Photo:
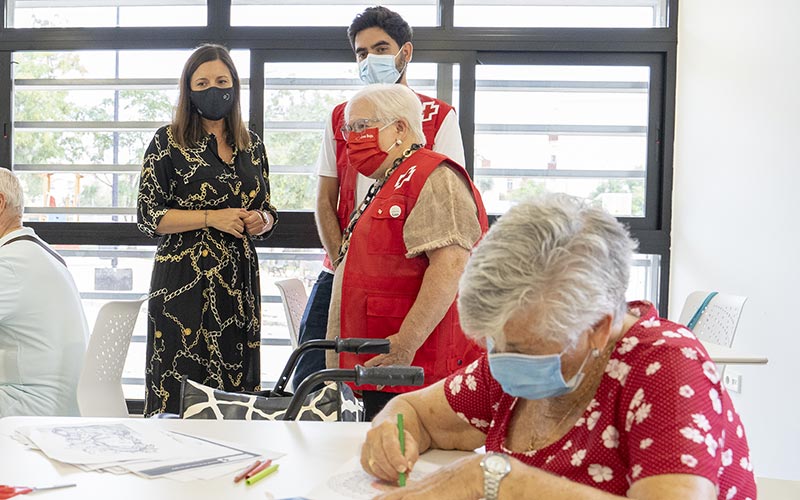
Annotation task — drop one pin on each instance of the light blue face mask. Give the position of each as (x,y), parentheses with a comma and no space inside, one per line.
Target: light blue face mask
(530,376)
(378,69)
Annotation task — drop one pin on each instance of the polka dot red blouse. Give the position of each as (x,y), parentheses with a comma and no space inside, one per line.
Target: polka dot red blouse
(660,409)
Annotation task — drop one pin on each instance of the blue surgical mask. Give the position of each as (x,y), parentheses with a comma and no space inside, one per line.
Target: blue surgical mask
(378,69)
(530,376)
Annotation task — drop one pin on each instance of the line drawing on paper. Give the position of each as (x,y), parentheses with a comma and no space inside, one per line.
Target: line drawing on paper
(357,485)
(103,439)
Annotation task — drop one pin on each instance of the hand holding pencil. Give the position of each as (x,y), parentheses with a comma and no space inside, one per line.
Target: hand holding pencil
(384,456)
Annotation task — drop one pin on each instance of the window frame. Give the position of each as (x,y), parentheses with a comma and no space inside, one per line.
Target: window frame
(443,43)
(650,221)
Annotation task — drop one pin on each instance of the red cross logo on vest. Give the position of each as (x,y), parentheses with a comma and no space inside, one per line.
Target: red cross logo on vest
(405,177)
(429,110)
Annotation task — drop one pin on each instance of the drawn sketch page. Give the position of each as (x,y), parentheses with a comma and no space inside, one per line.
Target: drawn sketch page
(350,482)
(201,454)
(103,443)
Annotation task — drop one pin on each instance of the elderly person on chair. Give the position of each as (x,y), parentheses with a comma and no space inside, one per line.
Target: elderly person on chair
(43,331)
(581,395)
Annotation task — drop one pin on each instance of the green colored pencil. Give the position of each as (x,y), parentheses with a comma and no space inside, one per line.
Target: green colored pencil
(261,475)
(402,435)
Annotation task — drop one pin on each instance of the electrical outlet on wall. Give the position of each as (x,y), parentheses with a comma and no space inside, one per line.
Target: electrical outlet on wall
(732,380)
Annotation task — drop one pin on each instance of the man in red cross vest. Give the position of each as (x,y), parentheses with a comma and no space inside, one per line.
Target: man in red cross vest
(381,40)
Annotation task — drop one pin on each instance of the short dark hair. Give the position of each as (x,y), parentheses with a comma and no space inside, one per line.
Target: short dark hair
(186,124)
(380,17)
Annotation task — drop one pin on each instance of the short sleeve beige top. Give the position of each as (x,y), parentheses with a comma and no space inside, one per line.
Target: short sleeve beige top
(445,214)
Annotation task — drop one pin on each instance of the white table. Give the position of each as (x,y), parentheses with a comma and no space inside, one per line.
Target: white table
(727,356)
(315,450)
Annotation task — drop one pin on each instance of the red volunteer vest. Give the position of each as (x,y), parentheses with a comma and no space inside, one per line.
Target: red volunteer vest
(380,284)
(434,112)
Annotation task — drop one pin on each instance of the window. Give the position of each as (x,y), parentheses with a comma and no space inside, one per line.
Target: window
(558,95)
(581,130)
(645,279)
(298,100)
(82,123)
(113,272)
(323,13)
(561,13)
(104,13)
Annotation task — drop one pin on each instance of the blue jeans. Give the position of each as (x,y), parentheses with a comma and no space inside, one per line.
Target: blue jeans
(314,326)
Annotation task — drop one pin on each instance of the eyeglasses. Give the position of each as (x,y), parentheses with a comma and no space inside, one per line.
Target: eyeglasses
(358,126)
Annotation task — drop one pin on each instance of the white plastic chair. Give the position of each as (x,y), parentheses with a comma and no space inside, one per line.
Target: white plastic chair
(294,297)
(717,323)
(100,384)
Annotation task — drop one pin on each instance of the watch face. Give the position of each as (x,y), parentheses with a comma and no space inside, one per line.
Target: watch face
(497,463)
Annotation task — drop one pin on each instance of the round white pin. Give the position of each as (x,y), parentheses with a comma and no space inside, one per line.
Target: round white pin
(395,211)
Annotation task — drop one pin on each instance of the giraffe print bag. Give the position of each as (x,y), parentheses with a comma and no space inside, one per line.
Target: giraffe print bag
(334,402)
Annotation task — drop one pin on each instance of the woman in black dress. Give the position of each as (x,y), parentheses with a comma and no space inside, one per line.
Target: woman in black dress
(204,191)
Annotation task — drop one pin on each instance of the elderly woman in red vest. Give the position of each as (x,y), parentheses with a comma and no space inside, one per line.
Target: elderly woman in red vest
(406,245)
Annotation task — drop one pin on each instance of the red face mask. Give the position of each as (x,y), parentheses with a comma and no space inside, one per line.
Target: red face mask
(364,152)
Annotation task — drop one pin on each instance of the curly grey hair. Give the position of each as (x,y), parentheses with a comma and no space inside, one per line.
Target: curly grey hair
(568,261)
(11,189)
(393,101)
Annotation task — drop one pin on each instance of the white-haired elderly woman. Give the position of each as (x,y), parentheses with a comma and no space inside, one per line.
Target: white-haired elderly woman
(580,395)
(406,245)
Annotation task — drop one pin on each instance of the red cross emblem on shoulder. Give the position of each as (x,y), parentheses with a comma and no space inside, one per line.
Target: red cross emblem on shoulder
(405,177)
(429,110)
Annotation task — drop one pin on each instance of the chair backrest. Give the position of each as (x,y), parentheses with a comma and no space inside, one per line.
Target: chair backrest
(100,385)
(718,321)
(294,297)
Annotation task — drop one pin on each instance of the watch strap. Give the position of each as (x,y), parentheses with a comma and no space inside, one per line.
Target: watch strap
(491,485)
(492,476)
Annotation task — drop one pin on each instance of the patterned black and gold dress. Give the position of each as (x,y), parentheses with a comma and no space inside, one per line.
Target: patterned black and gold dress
(204,312)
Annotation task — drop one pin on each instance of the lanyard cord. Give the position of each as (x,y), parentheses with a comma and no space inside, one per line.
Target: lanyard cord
(373,190)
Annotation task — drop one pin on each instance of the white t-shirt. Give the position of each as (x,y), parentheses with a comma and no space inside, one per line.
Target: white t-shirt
(43,331)
(447,142)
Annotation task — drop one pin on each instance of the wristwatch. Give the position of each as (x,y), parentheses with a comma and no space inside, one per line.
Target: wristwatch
(495,467)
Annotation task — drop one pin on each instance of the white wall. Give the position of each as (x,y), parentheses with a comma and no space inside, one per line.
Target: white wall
(736,199)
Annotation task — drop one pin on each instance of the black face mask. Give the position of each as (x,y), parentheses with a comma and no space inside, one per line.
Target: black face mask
(213,103)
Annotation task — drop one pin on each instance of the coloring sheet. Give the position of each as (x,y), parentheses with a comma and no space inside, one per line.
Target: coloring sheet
(121,448)
(102,443)
(350,482)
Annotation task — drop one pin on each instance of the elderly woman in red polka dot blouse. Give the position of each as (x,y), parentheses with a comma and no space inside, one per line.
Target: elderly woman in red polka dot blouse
(581,395)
